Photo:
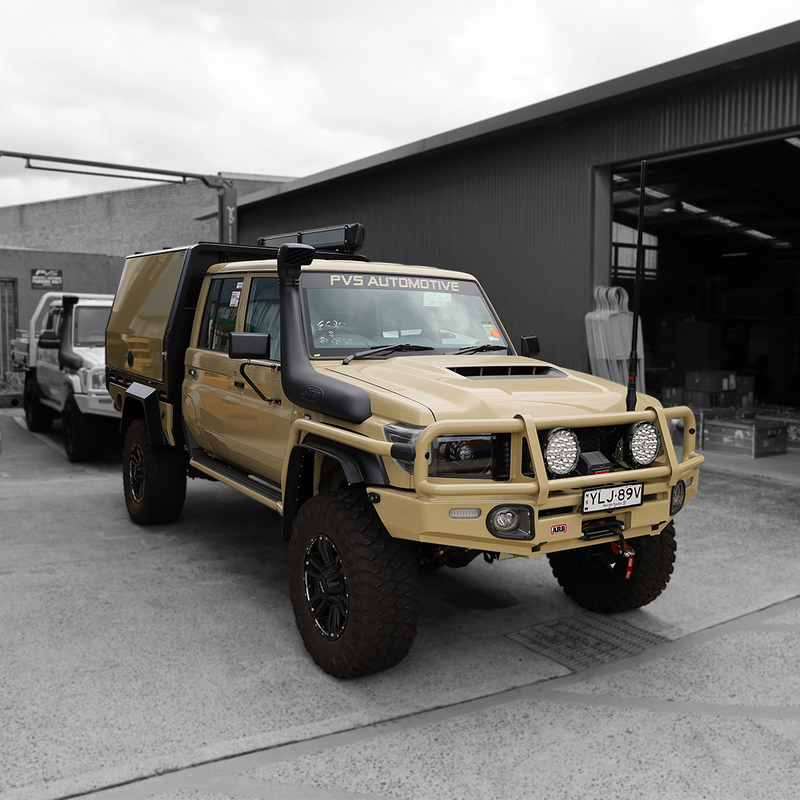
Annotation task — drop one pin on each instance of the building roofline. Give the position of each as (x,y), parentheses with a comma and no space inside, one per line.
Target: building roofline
(722,58)
(17,249)
(246,176)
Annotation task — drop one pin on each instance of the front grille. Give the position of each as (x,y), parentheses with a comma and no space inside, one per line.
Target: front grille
(502,458)
(501,470)
(602,439)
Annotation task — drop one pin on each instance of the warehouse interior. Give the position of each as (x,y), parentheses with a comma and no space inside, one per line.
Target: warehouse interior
(722,234)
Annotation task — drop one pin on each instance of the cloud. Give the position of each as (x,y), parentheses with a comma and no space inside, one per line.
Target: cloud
(294,88)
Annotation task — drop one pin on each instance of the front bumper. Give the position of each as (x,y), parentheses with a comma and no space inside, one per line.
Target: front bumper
(97,403)
(423,513)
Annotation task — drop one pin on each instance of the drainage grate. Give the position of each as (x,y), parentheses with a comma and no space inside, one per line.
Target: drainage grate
(586,640)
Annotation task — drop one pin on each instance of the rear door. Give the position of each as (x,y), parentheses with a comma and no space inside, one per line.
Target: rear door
(208,367)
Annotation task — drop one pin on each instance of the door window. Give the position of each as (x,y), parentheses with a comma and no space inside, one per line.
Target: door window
(219,317)
(264,312)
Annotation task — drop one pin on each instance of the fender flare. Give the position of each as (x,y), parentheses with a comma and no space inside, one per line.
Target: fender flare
(71,385)
(358,466)
(142,401)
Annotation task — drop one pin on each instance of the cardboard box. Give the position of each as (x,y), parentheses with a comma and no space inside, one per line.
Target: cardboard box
(752,438)
(792,421)
(672,396)
(745,395)
(711,380)
(692,397)
(703,415)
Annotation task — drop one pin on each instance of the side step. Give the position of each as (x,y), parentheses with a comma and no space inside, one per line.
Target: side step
(257,488)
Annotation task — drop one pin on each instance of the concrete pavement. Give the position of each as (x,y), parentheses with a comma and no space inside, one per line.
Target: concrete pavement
(706,708)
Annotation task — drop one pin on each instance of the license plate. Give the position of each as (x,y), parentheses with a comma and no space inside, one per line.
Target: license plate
(606,498)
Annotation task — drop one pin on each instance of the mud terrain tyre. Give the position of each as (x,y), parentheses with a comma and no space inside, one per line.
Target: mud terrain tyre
(81,435)
(38,417)
(594,577)
(154,478)
(353,588)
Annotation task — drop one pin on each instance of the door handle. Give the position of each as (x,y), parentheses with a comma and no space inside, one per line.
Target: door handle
(239,384)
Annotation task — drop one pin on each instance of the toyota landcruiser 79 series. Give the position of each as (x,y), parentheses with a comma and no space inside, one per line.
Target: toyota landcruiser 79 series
(384,413)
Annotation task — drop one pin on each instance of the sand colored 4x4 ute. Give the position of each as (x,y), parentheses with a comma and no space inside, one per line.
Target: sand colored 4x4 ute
(383,412)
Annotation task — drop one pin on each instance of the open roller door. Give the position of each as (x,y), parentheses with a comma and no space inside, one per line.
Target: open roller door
(722,288)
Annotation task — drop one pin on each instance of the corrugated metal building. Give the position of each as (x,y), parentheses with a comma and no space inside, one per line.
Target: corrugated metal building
(527,201)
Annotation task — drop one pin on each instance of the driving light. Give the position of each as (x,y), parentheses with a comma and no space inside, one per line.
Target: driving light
(561,451)
(643,444)
(510,522)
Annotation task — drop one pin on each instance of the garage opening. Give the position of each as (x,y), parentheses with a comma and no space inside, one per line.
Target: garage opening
(723,268)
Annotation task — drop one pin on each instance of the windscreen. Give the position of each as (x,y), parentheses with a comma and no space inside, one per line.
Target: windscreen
(90,326)
(345,313)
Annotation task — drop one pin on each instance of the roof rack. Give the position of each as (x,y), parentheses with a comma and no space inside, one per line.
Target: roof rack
(336,239)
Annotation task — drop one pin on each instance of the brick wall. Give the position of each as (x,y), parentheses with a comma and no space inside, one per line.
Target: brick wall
(81,272)
(118,223)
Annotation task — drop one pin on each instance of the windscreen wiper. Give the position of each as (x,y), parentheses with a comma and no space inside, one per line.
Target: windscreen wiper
(385,348)
(477,348)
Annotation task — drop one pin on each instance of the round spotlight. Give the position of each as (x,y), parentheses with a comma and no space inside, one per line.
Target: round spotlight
(561,451)
(504,519)
(644,443)
(510,522)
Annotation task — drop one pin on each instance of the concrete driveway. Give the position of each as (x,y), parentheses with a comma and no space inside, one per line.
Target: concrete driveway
(165,663)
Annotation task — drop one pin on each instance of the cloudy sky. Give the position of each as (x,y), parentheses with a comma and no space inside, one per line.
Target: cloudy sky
(293,87)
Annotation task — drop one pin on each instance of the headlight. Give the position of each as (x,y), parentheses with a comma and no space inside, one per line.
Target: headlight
(461,456)
(561,451)
(450,456)
(97,380)
(643,444)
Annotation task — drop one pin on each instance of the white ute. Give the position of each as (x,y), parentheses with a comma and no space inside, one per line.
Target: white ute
(64,362)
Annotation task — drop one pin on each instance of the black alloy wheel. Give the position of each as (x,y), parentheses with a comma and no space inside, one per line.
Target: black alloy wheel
(326,587)
(135,469)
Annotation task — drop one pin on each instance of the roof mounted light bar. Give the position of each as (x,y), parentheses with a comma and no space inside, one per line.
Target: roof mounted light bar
(337,239)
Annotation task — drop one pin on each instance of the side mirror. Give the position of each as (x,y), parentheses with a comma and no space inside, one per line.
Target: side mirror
(250,345)
(48,340)
(529,346)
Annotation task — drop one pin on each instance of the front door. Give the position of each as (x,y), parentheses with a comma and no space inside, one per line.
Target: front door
(258,428)
(48,371)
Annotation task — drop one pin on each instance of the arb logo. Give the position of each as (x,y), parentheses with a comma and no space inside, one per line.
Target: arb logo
(554,529)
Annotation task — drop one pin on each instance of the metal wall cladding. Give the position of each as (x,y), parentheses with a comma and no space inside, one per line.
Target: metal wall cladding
(516,208)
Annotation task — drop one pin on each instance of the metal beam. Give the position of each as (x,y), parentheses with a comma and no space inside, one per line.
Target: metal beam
(227,215)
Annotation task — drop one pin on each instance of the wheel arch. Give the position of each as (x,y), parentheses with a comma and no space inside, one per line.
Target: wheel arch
(357,468)
(141,402)
(71,384)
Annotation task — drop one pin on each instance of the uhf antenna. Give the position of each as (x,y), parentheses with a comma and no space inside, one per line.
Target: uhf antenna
(634,358)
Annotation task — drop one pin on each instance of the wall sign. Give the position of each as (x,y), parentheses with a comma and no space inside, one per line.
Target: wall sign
(46,279)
